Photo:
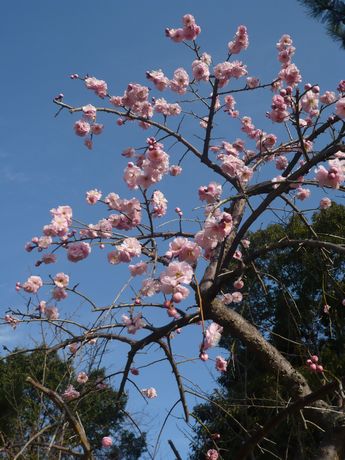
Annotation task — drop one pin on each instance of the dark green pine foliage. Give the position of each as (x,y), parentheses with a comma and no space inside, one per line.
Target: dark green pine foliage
(331,13)
(285,294)
(23,410)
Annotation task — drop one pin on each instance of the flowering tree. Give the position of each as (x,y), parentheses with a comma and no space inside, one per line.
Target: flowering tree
(195,272)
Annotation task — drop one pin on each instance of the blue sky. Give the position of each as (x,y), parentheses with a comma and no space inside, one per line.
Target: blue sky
(43,164)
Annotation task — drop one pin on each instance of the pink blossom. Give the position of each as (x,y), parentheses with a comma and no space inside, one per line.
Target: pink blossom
(159,204)
(98,86)
(33,284)
(212,454)
(107,441)
(180,82)
(70,393)
(138,269)
(238,284)
(302,193)
(49,258)
(149,287)
(175,170)
(227,298)
(133,323)
(331,177)
(253,82)
(11,321)
(149,393)
(176,273)
(237,297)
(291,75)
(89,111)
(125,251)
(221,364)
(210,193)
(328,97)
(78,251)
(134,371)
(240,41)
(212,336)
(200,70)
(158,78)
(82,377)
(61,280)
(92,196)
(340,108)
(81,128)
(245,243)
(281,162)
(74,347)
(325,203)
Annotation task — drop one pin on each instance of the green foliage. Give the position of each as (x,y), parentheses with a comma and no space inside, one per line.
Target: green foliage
(285,293)
(24,411)
(330,12)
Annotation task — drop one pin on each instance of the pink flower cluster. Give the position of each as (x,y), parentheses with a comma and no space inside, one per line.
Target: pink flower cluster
(210,193)
(70,393)
(216,228)
(159,204)
(62,219)
(332,177)
(130,212)
(212,337)
(138,269)
(92,196)
(212,454)
(200,68)
(340,108)
(184,250)
(31,285)
(133,323)
(310,100)
(78,251)
(82,377)
(98,86)
(325,203)
(107,441)
(166,109)
(189,31)
(171,280)
(158,78)
(240,41)
(221,364)
(135,98)
(313,364)
(226,70)
(125,251)
(289,72)
(279,107)
(11,321)
(149,168)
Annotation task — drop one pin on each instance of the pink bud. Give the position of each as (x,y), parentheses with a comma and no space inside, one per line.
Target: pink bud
(313,367)
(319,368)
(134,371)
(343,302)
(119,122)
(172,312)
(137,301)
(309,361)
(107,441)
(101,246)
(203,356)
(315,359)
(177,297)
(178,210)
(307,86)
(316,89)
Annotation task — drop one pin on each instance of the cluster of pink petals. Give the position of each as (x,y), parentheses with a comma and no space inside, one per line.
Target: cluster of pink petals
(302,193)
(61,280)
(166,109)
(310,102)
(281,162)
(200,68)
(172,278)
(184,249)
(158,78)
(340,108)
(51,313)
(249,128)
(98,86)
(234,297)
(332,177)
(82,377)
(289,72)
(189,31)
(70,393)
(59,294)
(226,70)
(92,196)
(210,193)
(266,141)
(313,364)
(133,323)
(212,454)
(149,393)
(230,103)
(328,97)
(159,204)
(107,441)
(125,251)
(235,168)
(216,228)
(180,81)
(240,41)
(291,75)
(286,50)
(130,212)
(212,336)
(62,219)
(103,229)
(78,251)
(32,284)
(221,364)
(175,170)
(149,287)
(138,269)
(279,112)
(135,98)
(149,169)
(325,203)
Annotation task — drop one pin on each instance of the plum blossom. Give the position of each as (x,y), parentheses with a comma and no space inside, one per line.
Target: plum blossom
(212,454)
(70,393)
(158,78)
(212,336)
(59,294)
(78,251)
(138,269)
(302,193)
(92,196)
(210,193)
(328,97)
(331,177)
(180,82)
(89,111)
(61,280)
(125,251)
(149,287)
(221,364)
(200,70)
(325,203)
(11,321)
(189,31)
(33,284)
(240,41)
(82,377)
(175,274)
(340,108)
(159,204)
(149,393)
(82,128)
(98,86)
(133,323)
(51,313)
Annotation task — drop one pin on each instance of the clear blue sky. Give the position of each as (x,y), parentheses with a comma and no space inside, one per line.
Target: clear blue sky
(43,164)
